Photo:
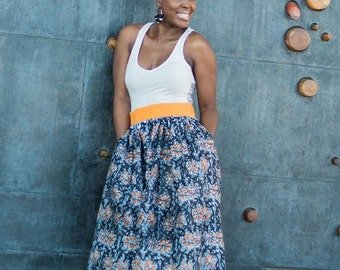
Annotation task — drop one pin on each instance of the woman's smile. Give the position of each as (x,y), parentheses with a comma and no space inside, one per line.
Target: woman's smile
(184,16)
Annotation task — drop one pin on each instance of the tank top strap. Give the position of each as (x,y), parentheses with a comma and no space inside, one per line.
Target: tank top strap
(182,39)
(184,36)
(139,39)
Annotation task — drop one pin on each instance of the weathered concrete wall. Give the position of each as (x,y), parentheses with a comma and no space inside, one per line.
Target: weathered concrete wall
(275,146)
(56,88)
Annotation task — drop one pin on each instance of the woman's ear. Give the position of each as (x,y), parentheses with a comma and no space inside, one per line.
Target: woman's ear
(158,3)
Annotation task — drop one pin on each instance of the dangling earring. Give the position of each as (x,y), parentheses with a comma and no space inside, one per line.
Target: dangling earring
(159,16)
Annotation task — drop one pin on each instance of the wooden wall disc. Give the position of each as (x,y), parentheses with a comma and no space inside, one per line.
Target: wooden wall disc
(318,4)
(308,87)
(111,43)
(326,36)
(297,39)
(293,10)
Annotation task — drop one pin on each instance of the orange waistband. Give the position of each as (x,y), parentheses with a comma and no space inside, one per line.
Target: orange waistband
(161,110)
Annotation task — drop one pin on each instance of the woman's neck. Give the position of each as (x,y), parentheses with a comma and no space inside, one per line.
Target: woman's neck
(162,32)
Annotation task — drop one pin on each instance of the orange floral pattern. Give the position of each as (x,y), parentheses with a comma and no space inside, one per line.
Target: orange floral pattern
(160,208)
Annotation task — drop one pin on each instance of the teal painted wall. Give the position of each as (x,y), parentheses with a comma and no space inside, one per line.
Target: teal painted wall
(275,146)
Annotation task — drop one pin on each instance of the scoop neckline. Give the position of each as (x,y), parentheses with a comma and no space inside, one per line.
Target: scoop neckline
(168,58)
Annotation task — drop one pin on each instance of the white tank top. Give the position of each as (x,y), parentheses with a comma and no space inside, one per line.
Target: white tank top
(171,82)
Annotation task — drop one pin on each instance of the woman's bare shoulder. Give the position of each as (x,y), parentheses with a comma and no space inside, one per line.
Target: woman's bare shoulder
(130,30)
(197,41)
(197,48)
(128,34)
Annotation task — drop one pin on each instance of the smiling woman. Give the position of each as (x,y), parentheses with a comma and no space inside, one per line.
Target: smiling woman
(161,202)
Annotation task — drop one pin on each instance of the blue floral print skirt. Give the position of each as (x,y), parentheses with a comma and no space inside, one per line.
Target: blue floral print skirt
(160,208)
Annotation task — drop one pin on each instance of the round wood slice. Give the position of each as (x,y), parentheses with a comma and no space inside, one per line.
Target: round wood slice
(293,10)
(318,4)
(111,43)
(297,39)
(308,87)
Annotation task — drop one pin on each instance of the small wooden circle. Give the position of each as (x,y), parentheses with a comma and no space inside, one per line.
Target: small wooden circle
(318,4)
(326,36)
(335,161)
(308,87)
(315,26)
(250,215)
(297,39)
(293,10)
(111,43)
(103,154)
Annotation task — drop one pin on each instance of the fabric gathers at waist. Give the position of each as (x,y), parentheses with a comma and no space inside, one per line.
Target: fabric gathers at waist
(161,110)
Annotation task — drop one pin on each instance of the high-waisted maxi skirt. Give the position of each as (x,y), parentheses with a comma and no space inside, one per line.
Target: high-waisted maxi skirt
(161,202)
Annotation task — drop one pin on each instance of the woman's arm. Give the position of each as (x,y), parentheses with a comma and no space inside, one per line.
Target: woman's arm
(121,98)
(203,61)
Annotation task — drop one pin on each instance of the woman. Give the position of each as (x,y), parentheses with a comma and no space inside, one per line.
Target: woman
(160,205)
